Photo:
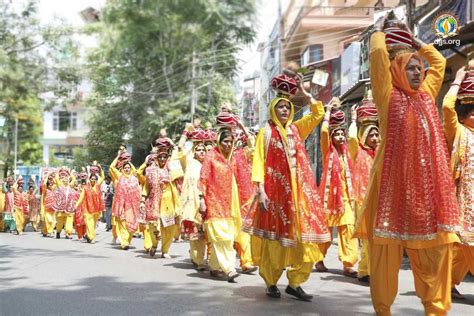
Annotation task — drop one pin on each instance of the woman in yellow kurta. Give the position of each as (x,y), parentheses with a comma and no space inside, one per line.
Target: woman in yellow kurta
(20,206)
(8,216)
(46,206)
(336,189)
(2,205)
(362,142)
(33,206)
(64,205)
(127,198)
(459,131)
(411,162)
(289,218)
(160,200)
(227,192)
(92,203)
(190,206)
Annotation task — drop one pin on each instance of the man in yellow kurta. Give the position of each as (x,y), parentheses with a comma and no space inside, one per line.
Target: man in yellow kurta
(289,218)
(459,130)
(411,204)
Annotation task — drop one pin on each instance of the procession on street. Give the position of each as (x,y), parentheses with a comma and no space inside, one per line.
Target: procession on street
(397,180)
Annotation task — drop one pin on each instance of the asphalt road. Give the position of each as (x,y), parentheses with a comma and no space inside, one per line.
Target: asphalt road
(44,276)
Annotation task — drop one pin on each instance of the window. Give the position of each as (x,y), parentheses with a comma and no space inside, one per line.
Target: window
(311,54)
(64,121)
(73,120)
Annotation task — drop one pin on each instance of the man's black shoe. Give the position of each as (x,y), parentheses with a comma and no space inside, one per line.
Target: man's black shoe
(273,291)
(58,235)
(364,279)
(299,293)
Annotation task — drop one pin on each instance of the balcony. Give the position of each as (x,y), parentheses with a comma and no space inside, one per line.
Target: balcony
(331,16)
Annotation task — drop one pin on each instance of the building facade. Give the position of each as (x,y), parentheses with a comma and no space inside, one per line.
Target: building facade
(65,128)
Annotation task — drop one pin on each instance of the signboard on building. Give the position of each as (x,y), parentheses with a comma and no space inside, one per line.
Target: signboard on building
(350,66)
(320,78)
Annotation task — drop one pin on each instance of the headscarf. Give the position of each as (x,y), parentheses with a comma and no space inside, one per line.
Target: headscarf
(271,109)
(219,148)
(362,132)
(397,69)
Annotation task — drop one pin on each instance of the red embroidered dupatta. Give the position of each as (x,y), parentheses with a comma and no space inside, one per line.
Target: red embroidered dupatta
(286,217)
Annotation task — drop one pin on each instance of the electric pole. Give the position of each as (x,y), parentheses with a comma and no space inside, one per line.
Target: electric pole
(193,87)
(15,149)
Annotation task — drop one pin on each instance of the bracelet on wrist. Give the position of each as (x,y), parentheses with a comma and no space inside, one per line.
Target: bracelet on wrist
(455,84)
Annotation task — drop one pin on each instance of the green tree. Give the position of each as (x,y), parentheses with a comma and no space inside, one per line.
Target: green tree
(142,69)
(31,63)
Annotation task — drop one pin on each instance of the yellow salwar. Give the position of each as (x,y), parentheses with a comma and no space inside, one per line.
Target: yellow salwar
(147,238)
(20,220)
(364,263)
(274,259)
(64,221)
(432,259)
(347,246)
(197,251)
(463,262)
(432,281)
(113,223)
(167,237)
(168,209)
(270,256)
(122,233)
(222,233)
(49,222)
(244,249)
(91,222)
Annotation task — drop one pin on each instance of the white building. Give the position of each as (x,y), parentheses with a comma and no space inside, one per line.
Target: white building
(65,128)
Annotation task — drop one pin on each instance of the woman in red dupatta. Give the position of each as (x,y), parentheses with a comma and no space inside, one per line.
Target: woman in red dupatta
(160,199)
(127,198)
(227,195)
(336,189)
(92,202)
(79,223)
(363,141)
(33,206)
(289,218)
(411,201)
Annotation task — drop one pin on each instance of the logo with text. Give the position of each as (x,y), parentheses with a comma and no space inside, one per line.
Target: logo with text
(446,26)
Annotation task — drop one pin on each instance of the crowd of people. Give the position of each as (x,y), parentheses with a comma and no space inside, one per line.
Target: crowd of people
(396,181)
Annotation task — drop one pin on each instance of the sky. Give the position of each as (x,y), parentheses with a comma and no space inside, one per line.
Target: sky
(67,9)
(267,15)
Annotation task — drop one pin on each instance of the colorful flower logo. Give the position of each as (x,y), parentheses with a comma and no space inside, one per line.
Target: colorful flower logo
(446,24)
